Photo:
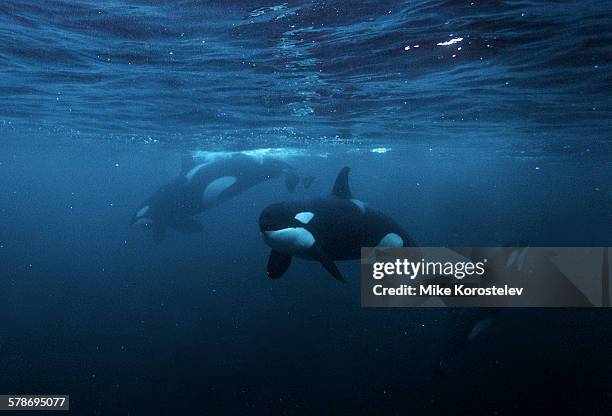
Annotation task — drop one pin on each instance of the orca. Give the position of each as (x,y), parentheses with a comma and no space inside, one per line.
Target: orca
(466,333)
(205,183)
(326,230)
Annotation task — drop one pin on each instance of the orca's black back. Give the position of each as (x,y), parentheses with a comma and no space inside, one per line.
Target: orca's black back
(341,228)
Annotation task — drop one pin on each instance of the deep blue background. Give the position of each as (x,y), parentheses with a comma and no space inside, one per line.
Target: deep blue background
(509,141)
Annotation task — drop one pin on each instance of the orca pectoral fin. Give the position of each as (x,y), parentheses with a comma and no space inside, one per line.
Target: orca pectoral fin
(278,264)
(188,226)
(331,267)
(328,263)
(159,233)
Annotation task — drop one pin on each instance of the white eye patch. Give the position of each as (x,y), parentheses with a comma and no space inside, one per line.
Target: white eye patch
(304,217)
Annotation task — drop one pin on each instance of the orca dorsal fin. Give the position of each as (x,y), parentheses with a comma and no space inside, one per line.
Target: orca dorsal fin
(341,187)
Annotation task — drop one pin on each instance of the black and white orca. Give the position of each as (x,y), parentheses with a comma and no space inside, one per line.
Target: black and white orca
(205,183)
(326,230)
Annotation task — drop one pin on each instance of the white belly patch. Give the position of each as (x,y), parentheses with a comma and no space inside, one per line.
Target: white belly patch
(215,188)
(391,240)
(292,241)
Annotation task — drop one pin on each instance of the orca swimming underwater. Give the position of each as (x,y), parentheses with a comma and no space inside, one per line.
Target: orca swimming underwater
(204,183)
(326,230)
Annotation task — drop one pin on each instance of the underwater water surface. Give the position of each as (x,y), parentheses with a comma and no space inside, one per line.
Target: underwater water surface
(469,123)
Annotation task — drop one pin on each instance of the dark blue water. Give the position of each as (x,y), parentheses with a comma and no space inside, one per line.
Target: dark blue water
(470,123)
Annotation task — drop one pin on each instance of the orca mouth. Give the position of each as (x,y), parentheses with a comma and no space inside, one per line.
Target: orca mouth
(266,223)
(271,232)
(267,228)
(275,217)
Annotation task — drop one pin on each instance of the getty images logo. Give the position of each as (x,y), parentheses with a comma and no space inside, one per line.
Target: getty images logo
(414,269)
